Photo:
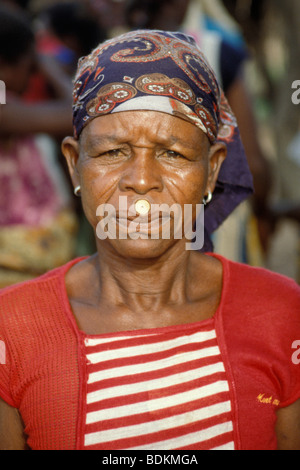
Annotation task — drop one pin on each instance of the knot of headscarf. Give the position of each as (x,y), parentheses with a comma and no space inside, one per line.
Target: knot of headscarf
(166,72)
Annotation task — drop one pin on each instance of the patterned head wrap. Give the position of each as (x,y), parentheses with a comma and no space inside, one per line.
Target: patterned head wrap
(166,72)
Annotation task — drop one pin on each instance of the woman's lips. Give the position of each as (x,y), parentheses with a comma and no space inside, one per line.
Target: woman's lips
(143,225)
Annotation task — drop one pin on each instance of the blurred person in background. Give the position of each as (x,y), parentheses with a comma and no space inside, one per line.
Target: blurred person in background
(21,5)
(110,14)
(68,31)
(65,32)
(37,221)
(272,30)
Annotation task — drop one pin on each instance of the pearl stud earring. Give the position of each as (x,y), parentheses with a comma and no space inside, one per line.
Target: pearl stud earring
(77,191)
(207,199)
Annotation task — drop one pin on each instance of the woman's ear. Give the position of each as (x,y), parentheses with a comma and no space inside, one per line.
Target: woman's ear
(70,150)
(217,155)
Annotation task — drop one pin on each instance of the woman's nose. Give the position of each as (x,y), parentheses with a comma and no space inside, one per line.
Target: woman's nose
(142,175)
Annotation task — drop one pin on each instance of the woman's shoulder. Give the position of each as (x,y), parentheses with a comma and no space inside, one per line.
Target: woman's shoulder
(260,325)
(257,293)
(23,299)
(249,284)
(264,281)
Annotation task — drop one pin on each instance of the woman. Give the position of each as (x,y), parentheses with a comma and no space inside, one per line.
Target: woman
(147,344)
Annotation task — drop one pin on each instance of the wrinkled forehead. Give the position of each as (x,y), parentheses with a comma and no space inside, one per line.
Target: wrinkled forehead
(142,129)
(147,70)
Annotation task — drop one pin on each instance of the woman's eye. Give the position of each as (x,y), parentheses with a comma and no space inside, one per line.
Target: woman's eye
(173,154)
(114,153)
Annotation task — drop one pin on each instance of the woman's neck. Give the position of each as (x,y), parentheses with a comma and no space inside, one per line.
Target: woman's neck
(109,294)
(143,284)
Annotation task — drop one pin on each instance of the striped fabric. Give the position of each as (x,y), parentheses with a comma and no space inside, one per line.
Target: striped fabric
(162,389)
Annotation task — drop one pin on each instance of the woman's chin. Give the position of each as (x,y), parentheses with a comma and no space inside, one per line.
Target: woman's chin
(140,248)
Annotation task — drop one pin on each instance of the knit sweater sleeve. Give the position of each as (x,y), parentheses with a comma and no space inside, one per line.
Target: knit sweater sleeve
(264,326)
(6,362)
(39,373)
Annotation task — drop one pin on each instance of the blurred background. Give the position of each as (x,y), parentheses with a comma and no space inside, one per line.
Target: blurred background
(253,46)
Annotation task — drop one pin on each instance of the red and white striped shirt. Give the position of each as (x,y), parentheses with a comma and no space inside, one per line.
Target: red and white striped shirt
(161,389)
(216,384)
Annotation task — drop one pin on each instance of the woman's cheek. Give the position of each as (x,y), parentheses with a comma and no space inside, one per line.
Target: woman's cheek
(197,185)
(96,190)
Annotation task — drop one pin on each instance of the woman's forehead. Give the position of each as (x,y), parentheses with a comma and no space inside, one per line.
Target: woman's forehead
(153,126)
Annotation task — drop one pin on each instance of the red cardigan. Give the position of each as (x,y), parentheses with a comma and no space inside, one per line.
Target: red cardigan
(45,375)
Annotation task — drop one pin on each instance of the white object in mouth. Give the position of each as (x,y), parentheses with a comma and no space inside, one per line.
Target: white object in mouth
(142,207)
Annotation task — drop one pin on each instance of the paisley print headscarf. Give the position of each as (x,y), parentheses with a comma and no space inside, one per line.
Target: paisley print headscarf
(166,72)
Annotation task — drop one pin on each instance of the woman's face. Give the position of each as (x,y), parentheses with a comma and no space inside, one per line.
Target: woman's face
(141,155)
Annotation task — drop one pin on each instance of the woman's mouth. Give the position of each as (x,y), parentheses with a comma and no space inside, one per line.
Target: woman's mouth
(150,226)
(161,221)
